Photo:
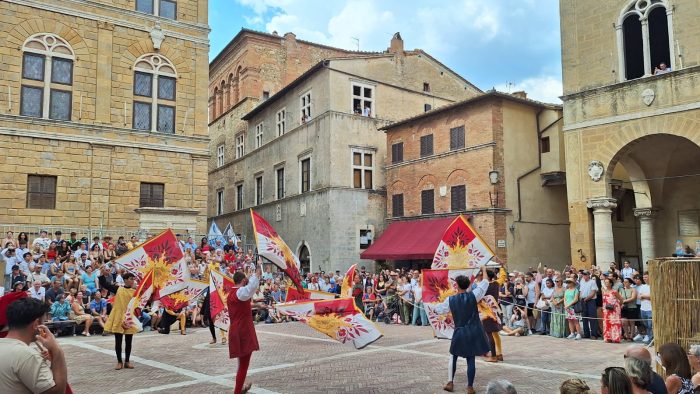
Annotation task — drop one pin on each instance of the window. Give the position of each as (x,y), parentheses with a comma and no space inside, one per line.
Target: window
(362,169)
(155,87)
(258,135)
(457,138)
(220,155)
(544,144)
(365,238)
(164,8)
(305,107)
(397,152)
(219,202)
(426,87)
(41,192)
(239,196)
(427,199)
(427,107)
(426,145)
(362,99)
(644,31)
(240,145)
(397,205)
(152,195)
(258,190)
(47,77)
(266,95)
(305,169)
(281,121)
(458,198)
(280,182)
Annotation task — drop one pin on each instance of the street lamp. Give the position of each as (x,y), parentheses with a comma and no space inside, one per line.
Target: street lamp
(493,177)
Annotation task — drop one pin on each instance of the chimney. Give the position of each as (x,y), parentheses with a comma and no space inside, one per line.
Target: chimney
(520,94)
(396,44)
(291,37)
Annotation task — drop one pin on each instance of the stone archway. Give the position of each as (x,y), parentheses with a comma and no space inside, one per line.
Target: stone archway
(304,254)
(652,184)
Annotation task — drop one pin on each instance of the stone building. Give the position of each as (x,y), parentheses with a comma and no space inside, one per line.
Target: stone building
(103,118)
(632,127)
(496,158)
(311,159)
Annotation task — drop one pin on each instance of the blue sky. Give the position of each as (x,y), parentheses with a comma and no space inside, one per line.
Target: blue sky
(506,44)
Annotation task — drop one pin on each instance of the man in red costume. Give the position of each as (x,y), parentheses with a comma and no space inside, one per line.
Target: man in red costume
(242,340)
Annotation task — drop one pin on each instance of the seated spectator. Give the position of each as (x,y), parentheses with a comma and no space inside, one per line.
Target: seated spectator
(640,375)
(37,292)
(24,265)
(519,324)
(80,315)
(657,385)
(90,279)
(694,358)
(54,291)
(369,299)
(98,309)
(70,273)
(500,386)
(17,277)
(60,309)
(574,386)
(675,363)
(615,381)
(38,276)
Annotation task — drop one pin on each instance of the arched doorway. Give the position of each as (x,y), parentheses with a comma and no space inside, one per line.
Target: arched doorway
(304,258)
(653,188)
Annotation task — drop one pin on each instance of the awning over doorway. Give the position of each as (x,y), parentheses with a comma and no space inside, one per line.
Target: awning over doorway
(414,240)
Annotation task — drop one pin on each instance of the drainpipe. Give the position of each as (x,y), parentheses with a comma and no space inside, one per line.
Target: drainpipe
(539,158)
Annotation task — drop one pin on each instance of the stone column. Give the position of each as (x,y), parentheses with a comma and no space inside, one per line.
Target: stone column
(646,233)
(602,229)
(646,48)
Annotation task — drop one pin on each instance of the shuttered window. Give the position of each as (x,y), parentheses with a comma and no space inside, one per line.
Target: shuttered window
(458,198)
(397,205)
(41,192)
(427,198)
(397,152)
(457,138)
(426,145)
(152,195)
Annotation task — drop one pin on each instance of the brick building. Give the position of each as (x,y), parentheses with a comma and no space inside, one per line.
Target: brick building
(632,128)
(310,159)
(496,158)
(103,118)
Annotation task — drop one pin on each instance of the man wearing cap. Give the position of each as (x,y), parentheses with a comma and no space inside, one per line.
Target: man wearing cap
(588,290)
(73,242)
(17,277)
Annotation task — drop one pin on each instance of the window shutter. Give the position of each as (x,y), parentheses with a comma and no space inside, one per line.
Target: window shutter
(397,205)
(426,145)
(458,198)
(427,202)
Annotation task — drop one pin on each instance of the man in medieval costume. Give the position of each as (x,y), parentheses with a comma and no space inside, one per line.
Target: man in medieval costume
(242,340)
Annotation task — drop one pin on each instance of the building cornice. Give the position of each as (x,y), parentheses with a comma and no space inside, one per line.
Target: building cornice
(93,139)
(632,116)
(77,8)
(469,212)
(168,211)
(440,155)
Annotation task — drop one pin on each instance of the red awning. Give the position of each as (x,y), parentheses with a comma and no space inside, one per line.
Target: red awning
(415,240)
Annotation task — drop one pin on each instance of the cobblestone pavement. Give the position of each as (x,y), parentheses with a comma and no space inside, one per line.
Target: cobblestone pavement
(295,359)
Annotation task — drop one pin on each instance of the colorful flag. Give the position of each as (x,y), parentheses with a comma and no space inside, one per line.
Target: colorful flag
(219,287)
(230,234)
(348,282)
(437,286)
(162,256)
(338,319)
(181,299)
(214,235)
(141,296)
(272,247)
(461,247)
(294,294)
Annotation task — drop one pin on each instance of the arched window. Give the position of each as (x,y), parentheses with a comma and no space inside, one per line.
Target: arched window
(47,77)
(222,99)
(231,90)
(155,85)
(239,84)
(645,39)
(215,103)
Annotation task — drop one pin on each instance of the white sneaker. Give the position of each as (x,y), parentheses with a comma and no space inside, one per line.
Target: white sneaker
(646,339)
(502,333)
(572,336)
(637,338)
(578,336)
(529,332)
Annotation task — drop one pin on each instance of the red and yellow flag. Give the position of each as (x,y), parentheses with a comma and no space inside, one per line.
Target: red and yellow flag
(348,281)
(294,294)
(219,287)
(141,296)
(338,319)
(181,299)
(461,247)
(272,247)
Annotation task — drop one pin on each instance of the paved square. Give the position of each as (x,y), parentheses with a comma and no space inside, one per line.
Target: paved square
(295,359)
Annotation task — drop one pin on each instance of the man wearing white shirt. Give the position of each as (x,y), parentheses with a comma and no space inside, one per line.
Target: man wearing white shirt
(80,251)
(644,297)
(588,290)
(242,340)
(37,292)
(627,271)
(468,339)
(43,241)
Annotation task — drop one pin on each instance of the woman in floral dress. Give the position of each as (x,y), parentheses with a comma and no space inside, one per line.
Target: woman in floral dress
(558,320)
(612,310)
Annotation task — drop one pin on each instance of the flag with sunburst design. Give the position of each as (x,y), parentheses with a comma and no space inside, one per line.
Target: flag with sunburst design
(339,319)
(272,247)
(219,287)
(181,299)
(161,256)
(294,294)
(461,247)
(438,284)
(348,281)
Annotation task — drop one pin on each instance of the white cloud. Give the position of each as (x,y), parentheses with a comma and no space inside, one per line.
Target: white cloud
(542,88)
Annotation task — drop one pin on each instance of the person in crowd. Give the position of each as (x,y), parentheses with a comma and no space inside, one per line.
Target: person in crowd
(37,292)
(630,311)
(51,252)
(533,293)
(640,375)
(42,241)
(73,241)
(98,310)
(506,298)
(694,359)
(615,381)
(518,324)
(574,386)
(109,253)
(80,315)
(572,298)
(24,369)
(60,309)
(90,279)
(80,251)
(491,326)
(242,338)
(612,323)
(644,297)
(500,386)
(418,307)
(657,384)
(95,254)
(369,301)
(134,242)
(38,274)
(116,323)
(469,339)
(675,362)
(27,261)
(663,68)
(406,296)
(546,294)
(10,257)
(9,238)
(17,277)
(558,315)
(520,292)
(70,273)
(54,291)
(588,289)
